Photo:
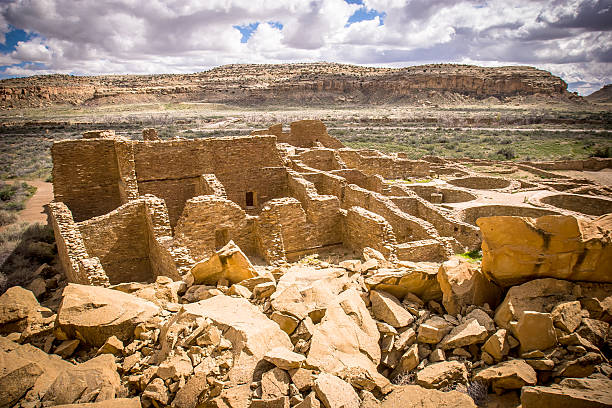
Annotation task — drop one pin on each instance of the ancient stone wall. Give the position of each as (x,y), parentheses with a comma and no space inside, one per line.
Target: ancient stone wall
(406,227)
(172,170)
(119,239)
(72,254)
(386,166)
(321,159)
(132,243)
(86,176)
(209,222)
(364,228)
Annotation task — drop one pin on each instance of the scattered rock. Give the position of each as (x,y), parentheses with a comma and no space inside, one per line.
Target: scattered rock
(463,284)
(96,379)
(567,316)
(470,332)
(284,359)
(414,396)
(509,375)
(387,308)
(535,331)
(440,375)
(92,314)
(584,393)
(228,263)
(335,393)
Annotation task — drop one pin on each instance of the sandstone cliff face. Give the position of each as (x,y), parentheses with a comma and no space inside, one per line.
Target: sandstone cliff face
(303,83)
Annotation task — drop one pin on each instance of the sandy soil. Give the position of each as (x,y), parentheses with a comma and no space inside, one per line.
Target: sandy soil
(34,211)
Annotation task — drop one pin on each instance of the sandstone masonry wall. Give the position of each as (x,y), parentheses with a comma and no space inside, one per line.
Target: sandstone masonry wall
(86,176)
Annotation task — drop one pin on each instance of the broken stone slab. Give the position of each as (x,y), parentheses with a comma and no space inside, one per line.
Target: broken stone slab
(415,396)
(519,249)
(52,365)
(497,345)
(567,316)
(387,308)
(66,348)
(508,375)
(228,263)
(275,384)
(19,310)
(412,278)
(534,296)
(92,314)
(407,362)
(17,376)
(470,332)
(574,393)
(161,292)
(284,358)
(534,331)
(94,379)
(463,284)
(110,403)
(304,290)
(433,330)
(189,395)
(346,342)
(580,367)
(310,401)
(157,391)
(335,393)
(196,293)
(250,332)
(440,375)
(112,345)
(482,317)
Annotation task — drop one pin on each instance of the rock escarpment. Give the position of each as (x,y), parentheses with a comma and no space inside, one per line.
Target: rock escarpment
(297,83)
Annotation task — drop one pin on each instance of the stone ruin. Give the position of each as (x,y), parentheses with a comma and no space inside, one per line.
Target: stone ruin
(284,269)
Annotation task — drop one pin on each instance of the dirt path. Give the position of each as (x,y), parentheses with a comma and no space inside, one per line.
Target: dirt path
(34,211)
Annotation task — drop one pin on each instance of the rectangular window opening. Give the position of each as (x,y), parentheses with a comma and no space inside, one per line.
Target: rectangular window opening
(250,199)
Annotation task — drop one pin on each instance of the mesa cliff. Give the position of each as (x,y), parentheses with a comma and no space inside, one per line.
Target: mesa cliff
(310,83)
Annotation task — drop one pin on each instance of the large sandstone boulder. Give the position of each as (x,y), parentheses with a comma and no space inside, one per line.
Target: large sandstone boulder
(92,314)
(463,284)
(25,368)
(413,278)
(518,249)
(227,263)
(111,403)
(335,393)
(509,375)
(539,295)
(20,312)
(305,291)
(345,343)
(17,376)
(414,396)
(94,380)
(571,393)
(251,333)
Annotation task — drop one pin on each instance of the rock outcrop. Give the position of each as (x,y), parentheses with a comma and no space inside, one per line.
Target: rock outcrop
(314,83)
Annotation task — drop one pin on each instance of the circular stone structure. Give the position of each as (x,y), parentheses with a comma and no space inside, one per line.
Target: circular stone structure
(471,214)
(481,183)
(579,203)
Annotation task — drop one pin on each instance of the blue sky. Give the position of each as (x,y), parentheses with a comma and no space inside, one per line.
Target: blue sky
(570,38)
